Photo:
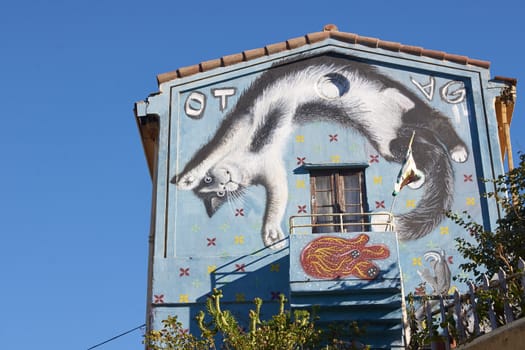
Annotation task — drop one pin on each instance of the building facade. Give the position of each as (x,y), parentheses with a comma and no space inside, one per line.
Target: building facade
(322,168)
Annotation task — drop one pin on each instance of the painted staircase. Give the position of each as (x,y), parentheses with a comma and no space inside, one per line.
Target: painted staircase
(350,277)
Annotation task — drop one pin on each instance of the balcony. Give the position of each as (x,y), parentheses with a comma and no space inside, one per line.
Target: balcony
(342,222)
(346,267)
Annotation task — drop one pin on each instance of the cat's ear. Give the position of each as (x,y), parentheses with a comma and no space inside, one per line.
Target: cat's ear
(212,203)
(394,95)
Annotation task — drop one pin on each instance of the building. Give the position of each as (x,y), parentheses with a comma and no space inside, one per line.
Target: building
(274,171)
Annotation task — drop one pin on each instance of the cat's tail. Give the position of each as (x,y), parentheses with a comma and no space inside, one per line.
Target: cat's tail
(432,158)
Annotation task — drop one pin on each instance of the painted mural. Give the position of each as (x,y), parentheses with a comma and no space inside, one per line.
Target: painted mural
(249,145)
(244,148)
(329,257)
(439,277)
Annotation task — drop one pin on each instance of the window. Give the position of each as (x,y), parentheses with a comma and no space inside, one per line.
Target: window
(338,200)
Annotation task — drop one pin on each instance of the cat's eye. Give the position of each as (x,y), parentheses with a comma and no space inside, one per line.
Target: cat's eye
(221,194)
(208,179)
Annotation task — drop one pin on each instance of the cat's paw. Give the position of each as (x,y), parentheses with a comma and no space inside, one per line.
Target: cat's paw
(187,181)
(459,154)
(273,237)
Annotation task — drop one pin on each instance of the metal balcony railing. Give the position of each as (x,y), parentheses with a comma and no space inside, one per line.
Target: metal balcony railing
(343,222)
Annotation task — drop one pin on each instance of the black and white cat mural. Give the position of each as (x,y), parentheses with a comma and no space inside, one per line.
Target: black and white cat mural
(248,147)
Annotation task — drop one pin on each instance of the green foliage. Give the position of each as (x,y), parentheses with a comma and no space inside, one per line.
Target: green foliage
(174,337)
(422,334)
(281,332)
(488,251)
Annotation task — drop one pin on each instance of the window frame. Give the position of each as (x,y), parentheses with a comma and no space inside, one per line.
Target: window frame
(338,199)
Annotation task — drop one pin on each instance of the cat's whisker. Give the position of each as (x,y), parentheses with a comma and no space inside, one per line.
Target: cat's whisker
(237,198)
(230,199)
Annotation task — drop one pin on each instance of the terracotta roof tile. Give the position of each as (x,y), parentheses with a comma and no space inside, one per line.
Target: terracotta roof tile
(412,50)
(390,45)
(329,31)
(367,41)
(253,54)
(345,37)
(457,58)
(512,81)
(316,37)
(275,48)
(232,59)
(296,42)
(479,63)
(167,77)
(440,55)
(330,28)
(187,71)
(209,65)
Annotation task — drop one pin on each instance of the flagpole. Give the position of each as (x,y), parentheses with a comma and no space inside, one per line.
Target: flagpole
(411,140)
(391,216)
(395,197)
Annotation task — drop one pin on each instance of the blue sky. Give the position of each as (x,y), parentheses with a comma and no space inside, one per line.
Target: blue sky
(75,190)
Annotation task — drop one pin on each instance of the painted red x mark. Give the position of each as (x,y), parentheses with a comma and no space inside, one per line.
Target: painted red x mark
(275,295)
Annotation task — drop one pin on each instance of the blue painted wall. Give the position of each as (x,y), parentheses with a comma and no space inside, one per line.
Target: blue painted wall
(193,252)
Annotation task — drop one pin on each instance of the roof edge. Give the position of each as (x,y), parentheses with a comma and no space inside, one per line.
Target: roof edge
(511,81)
(329,31)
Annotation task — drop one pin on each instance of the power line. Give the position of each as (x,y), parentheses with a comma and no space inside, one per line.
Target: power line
(117,336)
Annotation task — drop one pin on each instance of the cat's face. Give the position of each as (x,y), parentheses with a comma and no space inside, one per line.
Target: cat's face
(217,186)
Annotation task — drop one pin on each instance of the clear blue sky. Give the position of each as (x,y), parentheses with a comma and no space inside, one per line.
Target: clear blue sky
(75,191)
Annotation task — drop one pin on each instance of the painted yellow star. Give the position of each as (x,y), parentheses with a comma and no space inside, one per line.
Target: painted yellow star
(196,283)
(335,159)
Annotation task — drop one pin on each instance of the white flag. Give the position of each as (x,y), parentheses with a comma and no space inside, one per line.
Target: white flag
(409,172)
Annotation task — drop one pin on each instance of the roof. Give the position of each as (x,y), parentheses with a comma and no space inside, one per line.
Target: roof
(330,31)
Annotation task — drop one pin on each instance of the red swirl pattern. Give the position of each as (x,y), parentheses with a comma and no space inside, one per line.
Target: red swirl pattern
(329,257)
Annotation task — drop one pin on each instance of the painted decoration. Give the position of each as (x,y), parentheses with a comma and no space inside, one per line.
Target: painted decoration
(248,147)
(331,257)
(242,148)
(439,278)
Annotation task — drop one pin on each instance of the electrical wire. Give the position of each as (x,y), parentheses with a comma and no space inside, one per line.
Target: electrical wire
(117,336)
